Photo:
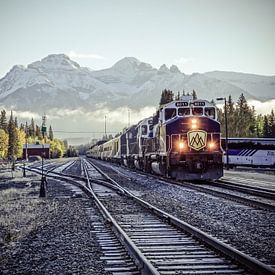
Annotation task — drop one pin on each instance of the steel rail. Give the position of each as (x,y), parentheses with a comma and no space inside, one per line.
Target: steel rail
(225,249)
(253,190)
(228,196)
(144,265)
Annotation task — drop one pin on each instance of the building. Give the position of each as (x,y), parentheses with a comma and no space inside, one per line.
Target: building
(36,150)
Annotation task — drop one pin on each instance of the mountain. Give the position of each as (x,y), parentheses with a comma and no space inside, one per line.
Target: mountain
(259,86)
(57,82)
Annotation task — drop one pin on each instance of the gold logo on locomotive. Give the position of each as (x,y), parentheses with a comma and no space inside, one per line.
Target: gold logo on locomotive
(196,139)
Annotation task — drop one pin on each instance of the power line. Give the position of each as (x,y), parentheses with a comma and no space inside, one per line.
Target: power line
(80,132)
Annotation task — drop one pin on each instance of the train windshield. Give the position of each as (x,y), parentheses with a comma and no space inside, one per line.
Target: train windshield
(197,111)
(210,112)
(170,113)
(144,129)
(184,111)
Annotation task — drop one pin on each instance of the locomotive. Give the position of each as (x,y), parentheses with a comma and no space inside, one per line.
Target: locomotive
(182,141)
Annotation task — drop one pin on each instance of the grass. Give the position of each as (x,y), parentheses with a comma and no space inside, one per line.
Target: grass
(18,213)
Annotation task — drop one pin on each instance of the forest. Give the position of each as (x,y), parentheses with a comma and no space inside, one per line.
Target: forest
(13,136)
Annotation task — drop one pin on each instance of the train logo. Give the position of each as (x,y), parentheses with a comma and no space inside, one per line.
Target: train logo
(196,139)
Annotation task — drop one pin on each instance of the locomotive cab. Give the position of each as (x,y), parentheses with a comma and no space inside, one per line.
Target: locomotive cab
(188,141)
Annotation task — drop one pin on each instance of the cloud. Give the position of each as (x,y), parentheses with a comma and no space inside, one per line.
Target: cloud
(118,115)
(73,54)
(181,61)
(121,115)
(22,115)
(263,107)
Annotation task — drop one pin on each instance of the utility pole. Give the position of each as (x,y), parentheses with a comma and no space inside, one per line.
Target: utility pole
(226,130)
(129,117)
(105,126)
(43,177)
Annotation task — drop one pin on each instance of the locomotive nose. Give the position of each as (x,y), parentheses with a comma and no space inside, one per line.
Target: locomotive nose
(198,165)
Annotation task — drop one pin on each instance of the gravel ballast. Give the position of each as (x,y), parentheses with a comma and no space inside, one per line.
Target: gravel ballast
(247,229)
(52,235)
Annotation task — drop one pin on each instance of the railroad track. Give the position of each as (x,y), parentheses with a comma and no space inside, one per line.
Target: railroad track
(261,198)
(220,190)
(155,241)
(162,242)
(253,190)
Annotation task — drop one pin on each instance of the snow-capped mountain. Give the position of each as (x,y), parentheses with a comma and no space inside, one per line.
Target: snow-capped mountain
(58,82)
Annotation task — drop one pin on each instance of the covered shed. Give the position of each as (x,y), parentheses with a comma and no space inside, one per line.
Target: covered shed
(36,150)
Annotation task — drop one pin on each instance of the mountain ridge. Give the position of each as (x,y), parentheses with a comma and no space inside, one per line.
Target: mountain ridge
(56,81)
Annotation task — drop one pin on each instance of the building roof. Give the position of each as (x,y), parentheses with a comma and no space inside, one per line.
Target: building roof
(36,146)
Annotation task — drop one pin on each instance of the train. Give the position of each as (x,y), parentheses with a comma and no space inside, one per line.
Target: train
(182,140)
(250,152)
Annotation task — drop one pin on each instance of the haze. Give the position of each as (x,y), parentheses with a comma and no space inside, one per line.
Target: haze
(198,36)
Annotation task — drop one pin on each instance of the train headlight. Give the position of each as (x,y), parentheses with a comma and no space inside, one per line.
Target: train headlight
(194,123)
(211,145)
(182,145)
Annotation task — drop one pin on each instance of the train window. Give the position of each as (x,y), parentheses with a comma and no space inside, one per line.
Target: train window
(144,129)
(170,113)
(197,111)
(184,111)
(210,112)
(151,127)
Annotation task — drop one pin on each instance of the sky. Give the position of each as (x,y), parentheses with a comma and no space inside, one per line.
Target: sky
(196,35)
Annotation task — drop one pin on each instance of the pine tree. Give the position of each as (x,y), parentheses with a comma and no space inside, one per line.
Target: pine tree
(3,121)
(26,129)
(266,130)
(50,133)
(12,137)
(272,124)
(38,133)
(231,117)
(244,118)
(32,129)
(166,97)
(259,125)
(15,122)
(194,94)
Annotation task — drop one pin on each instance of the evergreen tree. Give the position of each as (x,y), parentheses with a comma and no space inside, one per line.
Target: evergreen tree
(38,133)
(166,97)
(32,129)
(26,129)
(3,121)
(194,94)
(244,118)
(266,129)
(22,127)
(259,125)
(50,133)
(15,122)
(231,117)
(271,123)
(12,137)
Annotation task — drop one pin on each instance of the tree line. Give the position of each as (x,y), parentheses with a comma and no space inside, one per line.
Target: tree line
(14,136)
(242,120)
